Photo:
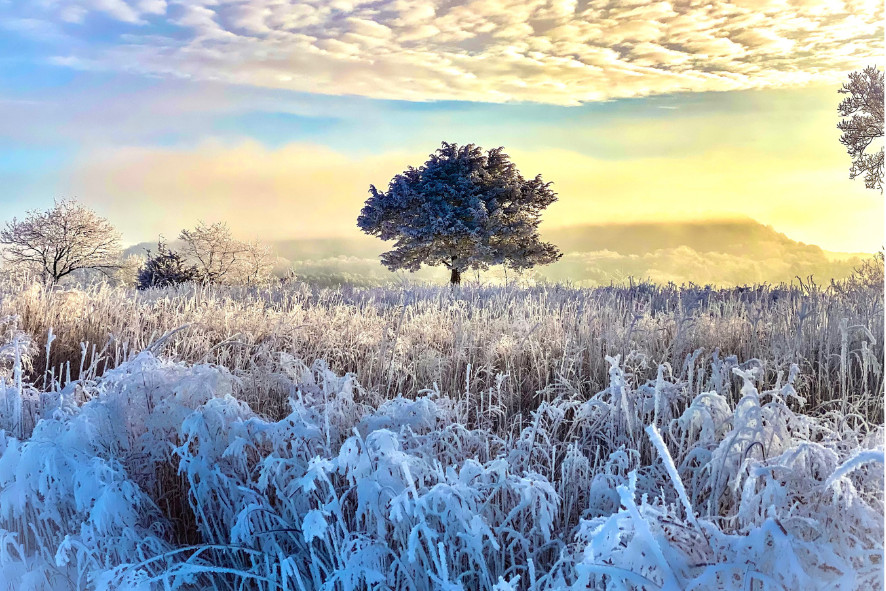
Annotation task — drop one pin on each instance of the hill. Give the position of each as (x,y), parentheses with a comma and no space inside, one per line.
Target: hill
(721,252)
(740,237)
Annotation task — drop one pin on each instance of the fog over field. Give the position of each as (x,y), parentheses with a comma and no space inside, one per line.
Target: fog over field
(721,253)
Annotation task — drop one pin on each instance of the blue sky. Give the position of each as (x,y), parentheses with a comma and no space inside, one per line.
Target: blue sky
(257,111)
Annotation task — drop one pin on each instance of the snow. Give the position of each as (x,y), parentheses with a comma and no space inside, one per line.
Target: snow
(158,475)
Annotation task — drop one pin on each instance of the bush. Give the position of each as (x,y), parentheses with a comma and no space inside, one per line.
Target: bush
(166,268)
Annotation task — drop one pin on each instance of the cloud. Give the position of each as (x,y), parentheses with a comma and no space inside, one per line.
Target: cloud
(299,190)
(683,264)
(131,110)
(680,265)
(561,52)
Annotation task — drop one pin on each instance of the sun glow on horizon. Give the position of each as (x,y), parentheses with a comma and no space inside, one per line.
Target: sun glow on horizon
(277,117)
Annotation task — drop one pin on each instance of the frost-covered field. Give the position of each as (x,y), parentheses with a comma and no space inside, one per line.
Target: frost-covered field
(420,438)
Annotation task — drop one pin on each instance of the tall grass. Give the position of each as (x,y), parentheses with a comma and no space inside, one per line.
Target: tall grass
(165,479)
(498,438)
(544,340)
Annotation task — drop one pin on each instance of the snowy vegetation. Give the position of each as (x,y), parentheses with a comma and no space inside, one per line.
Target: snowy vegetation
(425,438)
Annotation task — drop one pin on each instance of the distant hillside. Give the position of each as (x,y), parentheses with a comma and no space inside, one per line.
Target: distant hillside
(736,237)
(725,252)
(721,252)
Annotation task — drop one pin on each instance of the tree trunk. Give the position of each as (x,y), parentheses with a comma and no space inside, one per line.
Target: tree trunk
(455,276)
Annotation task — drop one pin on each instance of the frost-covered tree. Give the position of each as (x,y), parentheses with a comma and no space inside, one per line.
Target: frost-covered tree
(61,240)
(165,268)
(213,250)
(254,264)
(463,209)
(221,258)
(863,109)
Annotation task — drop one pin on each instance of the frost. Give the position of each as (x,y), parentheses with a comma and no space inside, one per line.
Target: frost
(314,525)
(853,463)
(159,475)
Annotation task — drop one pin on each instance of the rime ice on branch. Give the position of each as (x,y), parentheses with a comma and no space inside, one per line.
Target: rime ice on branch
(863,109)
(61,240)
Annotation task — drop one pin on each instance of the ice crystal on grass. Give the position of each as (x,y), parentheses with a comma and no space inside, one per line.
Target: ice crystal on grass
(162,474)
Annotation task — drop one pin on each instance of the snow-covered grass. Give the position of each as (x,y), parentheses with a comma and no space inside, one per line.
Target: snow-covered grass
(491,438)
(545,339)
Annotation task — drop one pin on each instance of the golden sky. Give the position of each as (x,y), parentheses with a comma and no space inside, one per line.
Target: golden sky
(775,159)
(276,116)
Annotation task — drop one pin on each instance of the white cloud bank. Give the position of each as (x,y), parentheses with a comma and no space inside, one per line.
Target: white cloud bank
(550,51)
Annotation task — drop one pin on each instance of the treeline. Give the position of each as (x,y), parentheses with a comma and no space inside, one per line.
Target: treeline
(70,239)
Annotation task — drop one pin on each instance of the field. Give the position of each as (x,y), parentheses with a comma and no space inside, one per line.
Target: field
(535,437)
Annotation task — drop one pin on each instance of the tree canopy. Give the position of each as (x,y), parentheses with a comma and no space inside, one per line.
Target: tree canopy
(56,242)
(463,209)
(863,109)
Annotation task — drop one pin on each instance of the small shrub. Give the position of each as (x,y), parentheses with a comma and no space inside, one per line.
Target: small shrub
(166,268)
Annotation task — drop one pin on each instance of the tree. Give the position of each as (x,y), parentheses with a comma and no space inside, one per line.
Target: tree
(463,209)
(864,109)
(56,242)
(220,258)
(166,268)
(255,263)
(213,250)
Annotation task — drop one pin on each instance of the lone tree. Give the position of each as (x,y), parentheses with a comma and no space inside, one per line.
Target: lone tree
(864,109)
(463,209)
(61,240)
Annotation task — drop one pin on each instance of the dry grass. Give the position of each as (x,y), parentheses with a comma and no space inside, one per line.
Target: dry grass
(549,438)
(543,339)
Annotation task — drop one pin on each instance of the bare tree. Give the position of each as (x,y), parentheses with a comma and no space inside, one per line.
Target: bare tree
(61,240)
(213,250)
(864,109)
(255,263)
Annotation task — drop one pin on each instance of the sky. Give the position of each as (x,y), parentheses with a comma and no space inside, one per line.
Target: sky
(276,116)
